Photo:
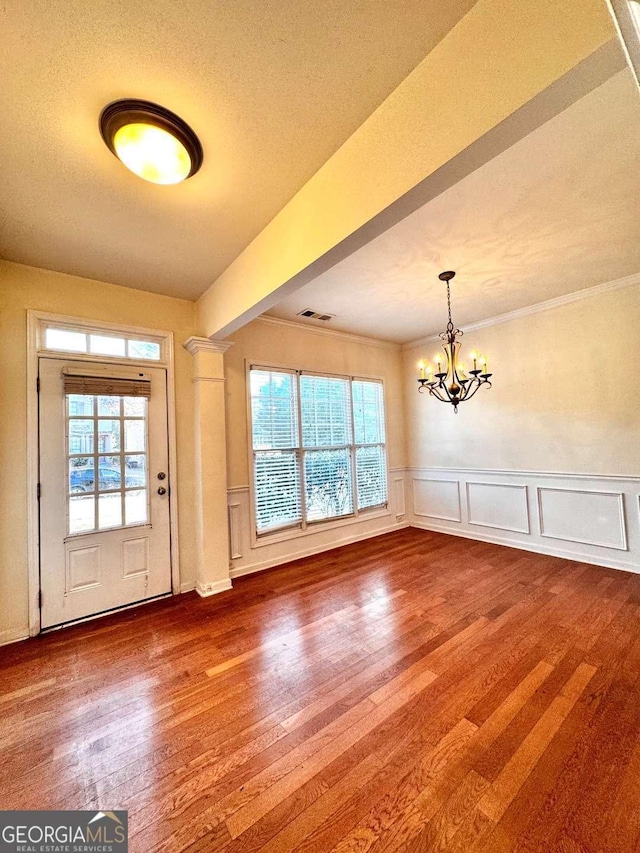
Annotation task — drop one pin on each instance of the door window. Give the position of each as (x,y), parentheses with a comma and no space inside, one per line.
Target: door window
(107,448)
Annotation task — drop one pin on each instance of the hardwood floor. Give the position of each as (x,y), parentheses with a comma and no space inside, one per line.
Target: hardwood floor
(414,692)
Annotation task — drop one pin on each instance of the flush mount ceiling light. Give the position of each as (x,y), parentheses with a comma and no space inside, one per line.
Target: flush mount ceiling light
(151,141)
(451,382)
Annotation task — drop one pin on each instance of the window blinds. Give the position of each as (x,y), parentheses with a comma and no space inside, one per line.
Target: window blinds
(318,446)
(368,412)
(107,386)
(325,408)
(277,487)
(274,410)
(371,474)
(274,421)
(368,423)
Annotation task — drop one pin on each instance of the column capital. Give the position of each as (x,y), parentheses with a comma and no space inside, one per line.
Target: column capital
(195,345)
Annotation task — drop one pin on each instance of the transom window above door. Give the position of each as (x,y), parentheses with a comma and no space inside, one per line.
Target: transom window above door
(319,448)
(67,339)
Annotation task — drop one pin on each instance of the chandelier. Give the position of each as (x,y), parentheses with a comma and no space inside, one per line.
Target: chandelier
(451,383)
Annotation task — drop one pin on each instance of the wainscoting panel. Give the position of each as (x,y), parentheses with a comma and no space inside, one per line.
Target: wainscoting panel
(235,529)
(500,505)
(435,497)
(398,494)
(590,518)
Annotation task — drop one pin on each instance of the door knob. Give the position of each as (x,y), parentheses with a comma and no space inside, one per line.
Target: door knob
(162,490)
(161,475)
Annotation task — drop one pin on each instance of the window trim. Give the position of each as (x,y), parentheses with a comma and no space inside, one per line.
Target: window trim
(305,528)
(41,321)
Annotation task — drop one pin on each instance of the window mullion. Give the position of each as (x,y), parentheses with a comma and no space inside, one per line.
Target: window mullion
(352,451)
(123,484)
(300,456)
(96,465)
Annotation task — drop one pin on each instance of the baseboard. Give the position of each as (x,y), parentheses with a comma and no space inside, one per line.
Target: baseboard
(251,569)
(548,550)
(187,586)
(204,590)
(13,635)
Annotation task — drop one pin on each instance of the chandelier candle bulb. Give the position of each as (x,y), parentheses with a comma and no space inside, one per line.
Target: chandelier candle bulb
(451,383)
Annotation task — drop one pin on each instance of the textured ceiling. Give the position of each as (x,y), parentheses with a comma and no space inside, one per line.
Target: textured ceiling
(272,87)
(556,213)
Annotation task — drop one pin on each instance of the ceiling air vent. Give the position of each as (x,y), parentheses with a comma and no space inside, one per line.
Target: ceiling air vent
(315,315)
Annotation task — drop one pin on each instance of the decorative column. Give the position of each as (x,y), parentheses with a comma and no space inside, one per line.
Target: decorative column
(212,527)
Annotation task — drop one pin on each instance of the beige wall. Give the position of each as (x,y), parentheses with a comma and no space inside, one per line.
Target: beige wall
(268,344)
(24,287)
(564,398)
(273,344)
(279,345)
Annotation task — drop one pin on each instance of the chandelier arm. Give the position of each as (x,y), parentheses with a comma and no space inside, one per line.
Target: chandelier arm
(464,391)
(481,382)
(440,392)
(463,383)
(473,393)
(434,393)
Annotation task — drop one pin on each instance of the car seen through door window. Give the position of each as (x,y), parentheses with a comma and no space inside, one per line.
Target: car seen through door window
(82,479)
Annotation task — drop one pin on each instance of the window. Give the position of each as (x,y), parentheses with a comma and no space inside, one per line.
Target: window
(106,462)
(318,447)
(61,339)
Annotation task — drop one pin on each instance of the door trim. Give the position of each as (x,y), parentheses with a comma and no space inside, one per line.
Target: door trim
(35,321)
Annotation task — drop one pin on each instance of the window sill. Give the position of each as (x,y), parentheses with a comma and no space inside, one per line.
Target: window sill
(318,527)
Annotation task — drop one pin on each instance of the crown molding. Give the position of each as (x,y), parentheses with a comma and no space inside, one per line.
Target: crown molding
(513,472)
(329,333)
(195,345)
(538,308)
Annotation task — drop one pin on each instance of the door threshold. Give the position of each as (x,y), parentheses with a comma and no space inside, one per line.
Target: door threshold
(108,612)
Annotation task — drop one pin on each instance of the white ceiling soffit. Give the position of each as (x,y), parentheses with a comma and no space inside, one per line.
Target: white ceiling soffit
(271,88)
(557,212)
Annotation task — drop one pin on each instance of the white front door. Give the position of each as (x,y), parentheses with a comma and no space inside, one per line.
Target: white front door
(104,493)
